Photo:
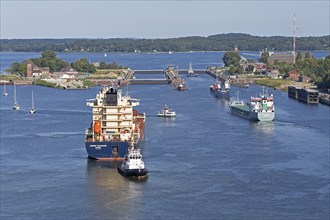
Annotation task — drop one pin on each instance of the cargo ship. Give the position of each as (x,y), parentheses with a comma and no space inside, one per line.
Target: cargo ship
(221,89)
(259,109)
(116,126)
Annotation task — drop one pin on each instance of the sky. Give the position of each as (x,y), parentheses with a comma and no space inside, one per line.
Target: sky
(24,19)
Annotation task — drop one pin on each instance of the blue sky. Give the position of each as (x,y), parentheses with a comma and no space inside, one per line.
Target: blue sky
(160,19)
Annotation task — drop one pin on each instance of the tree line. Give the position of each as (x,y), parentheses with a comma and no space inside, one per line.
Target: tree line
(49,59)
(219,42)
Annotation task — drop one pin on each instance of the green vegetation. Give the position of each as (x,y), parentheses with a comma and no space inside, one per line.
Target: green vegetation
(220,42)
(231,59)
(113,65)
(107,74)
(275,83)
(41,82)
(83,65)
(318,70)
(49,59)
(87,83)
(9,77)
(264,57)
(18,69)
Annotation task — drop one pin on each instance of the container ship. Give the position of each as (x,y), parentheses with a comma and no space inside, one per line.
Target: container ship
(259,109)
(221,89)
(116,126)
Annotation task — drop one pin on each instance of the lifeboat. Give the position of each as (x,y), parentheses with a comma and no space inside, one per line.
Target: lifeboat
(97,127)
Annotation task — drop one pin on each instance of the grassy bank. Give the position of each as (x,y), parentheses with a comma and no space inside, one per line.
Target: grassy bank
(281,84)
(41,82)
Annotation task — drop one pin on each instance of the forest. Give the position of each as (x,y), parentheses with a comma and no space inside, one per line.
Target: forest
(219,42)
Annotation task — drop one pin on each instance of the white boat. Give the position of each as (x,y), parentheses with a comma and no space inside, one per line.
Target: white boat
(32,110)
(16,105)
(165,112)
(133,165)
(5,93)
(191,72)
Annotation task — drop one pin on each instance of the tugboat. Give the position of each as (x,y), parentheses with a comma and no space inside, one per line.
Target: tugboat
(165,112)
(133,166)
(180,87)
(221,89)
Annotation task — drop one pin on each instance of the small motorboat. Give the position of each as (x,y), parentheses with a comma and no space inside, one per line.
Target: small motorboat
(165,112)
(133,166)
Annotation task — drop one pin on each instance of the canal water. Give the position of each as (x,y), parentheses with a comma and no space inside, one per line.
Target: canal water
(204,164)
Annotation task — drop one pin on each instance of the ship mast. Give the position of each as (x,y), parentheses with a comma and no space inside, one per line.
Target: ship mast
(294,38)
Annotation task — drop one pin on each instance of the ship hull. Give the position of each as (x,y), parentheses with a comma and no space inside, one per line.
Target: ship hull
(107,150)
(241,111)
(133,172)
(220,94)
(192,74)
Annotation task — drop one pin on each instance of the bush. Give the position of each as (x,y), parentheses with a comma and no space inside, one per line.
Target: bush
(41,82)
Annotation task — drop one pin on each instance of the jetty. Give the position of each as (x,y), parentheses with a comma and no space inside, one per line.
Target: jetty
(173,75)
(219,72)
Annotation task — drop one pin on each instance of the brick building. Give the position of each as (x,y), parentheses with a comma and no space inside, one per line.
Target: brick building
(294,74)
(281,58)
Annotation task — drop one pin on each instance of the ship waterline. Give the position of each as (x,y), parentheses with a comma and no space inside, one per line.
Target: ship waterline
(258,109)
(243,112)
(108,150)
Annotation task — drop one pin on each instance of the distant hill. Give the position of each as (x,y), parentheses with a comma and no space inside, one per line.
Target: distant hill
(219,42)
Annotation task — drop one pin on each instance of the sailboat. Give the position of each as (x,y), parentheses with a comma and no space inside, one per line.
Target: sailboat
(5,93)
(16,105)
(32,110)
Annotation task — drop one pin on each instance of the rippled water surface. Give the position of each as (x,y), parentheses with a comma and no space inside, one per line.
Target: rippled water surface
(204,164)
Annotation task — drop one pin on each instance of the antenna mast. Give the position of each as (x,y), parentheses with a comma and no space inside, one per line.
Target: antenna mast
(294,38)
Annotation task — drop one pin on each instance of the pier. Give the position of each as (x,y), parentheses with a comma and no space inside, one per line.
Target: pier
(220,73)
(176,81)
(160,71)
(150,81)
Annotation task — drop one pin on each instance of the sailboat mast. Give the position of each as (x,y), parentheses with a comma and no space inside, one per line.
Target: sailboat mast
(32,101)
(15,93)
